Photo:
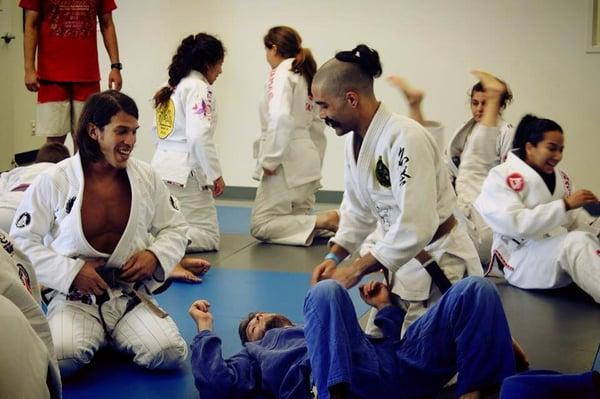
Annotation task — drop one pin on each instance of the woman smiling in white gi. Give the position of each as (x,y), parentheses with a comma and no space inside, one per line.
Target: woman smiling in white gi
(542,236)
(291,147)
(186,157)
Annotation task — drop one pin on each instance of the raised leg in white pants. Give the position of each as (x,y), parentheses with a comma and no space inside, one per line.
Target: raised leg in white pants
(580,258)
(280,214)
(197,205)
(77,333)
(155,342)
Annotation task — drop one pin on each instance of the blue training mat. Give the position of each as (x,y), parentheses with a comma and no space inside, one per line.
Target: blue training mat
(234,219)
(233,293)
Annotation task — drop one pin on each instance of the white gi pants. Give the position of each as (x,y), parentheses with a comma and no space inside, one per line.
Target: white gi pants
(197,205)
(556,261)
(78,333)
(280,214)
(480,233)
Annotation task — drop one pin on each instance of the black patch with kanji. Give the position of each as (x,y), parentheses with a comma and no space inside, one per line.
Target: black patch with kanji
(382,174)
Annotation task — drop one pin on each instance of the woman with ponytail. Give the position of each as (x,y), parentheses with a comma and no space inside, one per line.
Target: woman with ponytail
(291,147)
(186,157)
(543,238)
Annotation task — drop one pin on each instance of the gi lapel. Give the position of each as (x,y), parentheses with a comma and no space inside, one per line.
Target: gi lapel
(365,165)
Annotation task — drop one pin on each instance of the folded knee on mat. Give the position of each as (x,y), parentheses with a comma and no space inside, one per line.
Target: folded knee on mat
(168,357)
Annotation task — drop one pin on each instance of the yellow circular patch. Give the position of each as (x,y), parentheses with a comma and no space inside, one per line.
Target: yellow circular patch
(165,119)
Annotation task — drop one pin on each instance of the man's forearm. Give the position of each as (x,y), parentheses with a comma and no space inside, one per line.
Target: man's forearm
(367,264)
(109,36)
(30,41)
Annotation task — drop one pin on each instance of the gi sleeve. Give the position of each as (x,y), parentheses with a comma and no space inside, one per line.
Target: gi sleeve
(317,135)
(199,114)
(389,320)
(414,186)
(216,378)
(479,156)
(280,122)
(33,221)
(505,213)
(356,219)
(169,229)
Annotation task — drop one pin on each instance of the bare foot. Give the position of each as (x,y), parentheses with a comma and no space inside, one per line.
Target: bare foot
(413,96)
(198,266)
(492,85)
(329,220)
(182,274)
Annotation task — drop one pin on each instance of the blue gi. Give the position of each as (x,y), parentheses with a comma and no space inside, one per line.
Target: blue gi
(465,332)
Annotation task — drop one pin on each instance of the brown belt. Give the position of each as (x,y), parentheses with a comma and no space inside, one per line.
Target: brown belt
(443,229)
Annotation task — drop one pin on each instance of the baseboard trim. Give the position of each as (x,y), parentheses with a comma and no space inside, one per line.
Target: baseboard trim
(249,193)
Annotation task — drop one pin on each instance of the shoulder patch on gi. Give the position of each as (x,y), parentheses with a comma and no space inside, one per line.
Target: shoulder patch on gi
(515,181)
(69,205)
(165,119)
(203,107)
(566,181)
(23,220)
(382,174)
(174,202)
(6,244)
(24,276)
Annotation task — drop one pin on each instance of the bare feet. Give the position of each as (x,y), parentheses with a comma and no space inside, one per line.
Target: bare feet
(197,266)
(189,269)
(329,220)
(413,96)
(182,274)
(471,395)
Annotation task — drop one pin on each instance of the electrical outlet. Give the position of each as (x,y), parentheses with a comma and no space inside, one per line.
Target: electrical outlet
(32,123)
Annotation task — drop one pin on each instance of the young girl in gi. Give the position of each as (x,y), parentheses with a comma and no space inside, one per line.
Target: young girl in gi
(186,156)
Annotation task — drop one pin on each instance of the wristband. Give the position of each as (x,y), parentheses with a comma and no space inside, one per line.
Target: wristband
(116,65)
(334,258)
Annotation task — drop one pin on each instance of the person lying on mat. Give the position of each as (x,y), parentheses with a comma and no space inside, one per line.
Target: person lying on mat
(465,332)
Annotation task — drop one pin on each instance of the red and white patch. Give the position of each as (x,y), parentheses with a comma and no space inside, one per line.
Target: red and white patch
(566,182)
(515,181)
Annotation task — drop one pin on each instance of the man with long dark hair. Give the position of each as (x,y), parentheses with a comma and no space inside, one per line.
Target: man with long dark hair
(102,234)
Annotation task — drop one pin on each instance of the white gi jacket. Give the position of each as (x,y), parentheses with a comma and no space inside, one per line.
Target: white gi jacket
(518,206)
(292,134)
(185,130)
(399,188)
(48,228)
(478,149)
(18,179)
(38,373)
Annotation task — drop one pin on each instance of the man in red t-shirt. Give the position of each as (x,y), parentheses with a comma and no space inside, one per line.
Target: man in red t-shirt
(64,35)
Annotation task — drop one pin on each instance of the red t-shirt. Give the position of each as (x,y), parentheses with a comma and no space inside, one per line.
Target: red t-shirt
(67,42)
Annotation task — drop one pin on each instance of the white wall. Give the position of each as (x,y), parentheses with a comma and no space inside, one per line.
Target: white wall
(538,46)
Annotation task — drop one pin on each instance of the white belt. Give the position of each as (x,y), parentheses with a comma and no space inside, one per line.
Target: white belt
(177,146)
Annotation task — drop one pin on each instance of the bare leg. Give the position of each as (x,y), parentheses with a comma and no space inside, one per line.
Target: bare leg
(189,269)
(413,96)
(329,220)
(494,89)
(471,395)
